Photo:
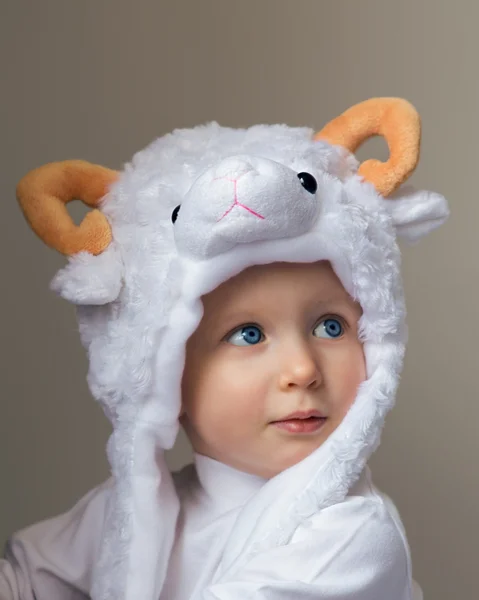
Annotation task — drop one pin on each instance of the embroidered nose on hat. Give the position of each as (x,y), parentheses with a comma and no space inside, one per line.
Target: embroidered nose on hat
(245,199)
(231,171)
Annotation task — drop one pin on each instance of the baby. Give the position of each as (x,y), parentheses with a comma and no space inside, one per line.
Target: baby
(244,284)
(273,367)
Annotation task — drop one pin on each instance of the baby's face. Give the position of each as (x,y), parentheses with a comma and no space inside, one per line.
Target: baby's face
(274,340)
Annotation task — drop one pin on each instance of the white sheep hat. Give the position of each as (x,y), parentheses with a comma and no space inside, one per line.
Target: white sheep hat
(191,210)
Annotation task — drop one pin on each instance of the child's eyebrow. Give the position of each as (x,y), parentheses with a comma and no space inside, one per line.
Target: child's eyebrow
(335,301)
(233,318)
(239,315)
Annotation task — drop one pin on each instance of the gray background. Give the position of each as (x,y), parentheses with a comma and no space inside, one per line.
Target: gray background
(100,79)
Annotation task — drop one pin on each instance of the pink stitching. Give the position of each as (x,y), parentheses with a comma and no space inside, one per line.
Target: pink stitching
(235,181)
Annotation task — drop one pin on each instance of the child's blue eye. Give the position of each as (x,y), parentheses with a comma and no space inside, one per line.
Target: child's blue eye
(329,328)
(246,336)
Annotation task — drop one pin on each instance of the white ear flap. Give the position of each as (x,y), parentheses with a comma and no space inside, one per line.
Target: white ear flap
(91,280)
(415,213)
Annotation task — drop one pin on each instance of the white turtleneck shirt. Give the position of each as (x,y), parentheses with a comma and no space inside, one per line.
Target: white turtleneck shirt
(354,550)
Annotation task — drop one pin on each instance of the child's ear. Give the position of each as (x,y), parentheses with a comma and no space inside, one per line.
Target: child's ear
(415,213)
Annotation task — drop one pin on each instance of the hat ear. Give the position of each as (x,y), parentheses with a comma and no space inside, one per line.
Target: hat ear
(43,193)
(416,213)
(393,118)
(90,280)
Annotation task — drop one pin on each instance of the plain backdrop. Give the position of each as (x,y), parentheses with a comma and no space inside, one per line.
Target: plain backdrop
(99,79)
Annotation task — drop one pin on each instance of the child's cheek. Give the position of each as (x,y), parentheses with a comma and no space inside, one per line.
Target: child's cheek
(347,373)
(239,400)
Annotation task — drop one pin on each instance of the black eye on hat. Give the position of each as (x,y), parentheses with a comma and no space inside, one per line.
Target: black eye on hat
(174,214)
(308,182)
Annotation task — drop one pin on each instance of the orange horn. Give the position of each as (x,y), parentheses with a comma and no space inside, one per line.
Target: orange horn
(44,192)
(393,118)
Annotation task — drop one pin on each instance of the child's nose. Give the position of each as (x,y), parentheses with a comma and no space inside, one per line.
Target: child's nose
(299,369)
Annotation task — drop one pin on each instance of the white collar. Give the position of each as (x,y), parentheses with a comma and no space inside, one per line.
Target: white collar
(225,487)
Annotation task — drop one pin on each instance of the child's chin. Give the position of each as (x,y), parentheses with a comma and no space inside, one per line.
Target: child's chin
(287,457)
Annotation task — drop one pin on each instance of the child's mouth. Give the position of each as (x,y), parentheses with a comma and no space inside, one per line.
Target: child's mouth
(306,425)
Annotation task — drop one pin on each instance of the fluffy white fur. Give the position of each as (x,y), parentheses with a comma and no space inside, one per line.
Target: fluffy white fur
(140,301)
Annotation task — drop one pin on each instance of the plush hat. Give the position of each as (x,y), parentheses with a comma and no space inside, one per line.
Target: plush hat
(190,211)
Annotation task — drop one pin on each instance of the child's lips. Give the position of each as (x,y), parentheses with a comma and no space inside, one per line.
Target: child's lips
(300,425)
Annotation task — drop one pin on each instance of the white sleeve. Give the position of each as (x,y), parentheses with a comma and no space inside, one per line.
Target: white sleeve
(53,560)
(350,551)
